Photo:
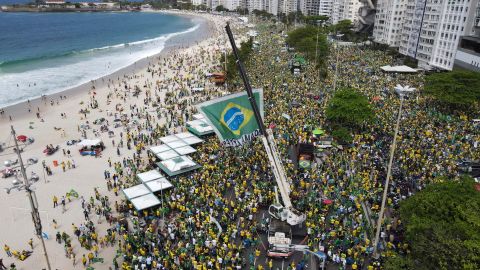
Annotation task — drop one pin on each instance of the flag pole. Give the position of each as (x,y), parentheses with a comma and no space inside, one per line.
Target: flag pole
(246,82)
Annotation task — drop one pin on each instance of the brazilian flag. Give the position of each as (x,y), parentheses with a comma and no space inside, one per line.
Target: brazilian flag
(232,117)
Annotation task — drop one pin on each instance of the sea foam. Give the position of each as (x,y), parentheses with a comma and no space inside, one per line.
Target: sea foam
(59,73)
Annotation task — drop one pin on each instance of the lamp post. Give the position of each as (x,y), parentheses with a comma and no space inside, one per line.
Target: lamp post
(402,92)
(33,203)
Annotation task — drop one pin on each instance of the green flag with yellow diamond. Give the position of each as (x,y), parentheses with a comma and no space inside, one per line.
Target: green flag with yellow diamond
(232,117)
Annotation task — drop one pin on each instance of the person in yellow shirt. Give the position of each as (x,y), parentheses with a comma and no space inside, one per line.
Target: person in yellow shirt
(84,261)
(7,250)
(95,250)
(90,257)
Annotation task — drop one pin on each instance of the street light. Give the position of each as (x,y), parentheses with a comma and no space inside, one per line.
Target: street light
(402,91)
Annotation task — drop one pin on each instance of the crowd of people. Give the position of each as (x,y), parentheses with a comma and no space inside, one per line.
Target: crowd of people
(235,185)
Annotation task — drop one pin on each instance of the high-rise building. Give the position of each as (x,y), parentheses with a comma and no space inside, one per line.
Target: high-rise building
(432,29)
(325,7)
(389,21)
(468,51)
(309,7)
(316,7)
(345,10)
(231,4)
(427,30)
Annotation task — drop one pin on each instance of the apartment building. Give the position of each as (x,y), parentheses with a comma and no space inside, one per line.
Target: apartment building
(468,51)
(229,4)
(325,7)
(309,7)
(389,20)
(432,30)
(345,10)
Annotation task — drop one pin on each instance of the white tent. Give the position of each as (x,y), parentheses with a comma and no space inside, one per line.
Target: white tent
(184,135)
(180,163)
(200,126)
(198,116)
(158,185)
(198,89)
(169,138)
(150,176)
(185,150)
(167,155)
(87,143)
(399,69)
(159,148)
(192,140)
(176,144)
(136,191)
(145,202)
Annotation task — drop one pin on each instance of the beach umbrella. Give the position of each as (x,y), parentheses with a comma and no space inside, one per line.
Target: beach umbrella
(22,138)
(327,201)
(318,131)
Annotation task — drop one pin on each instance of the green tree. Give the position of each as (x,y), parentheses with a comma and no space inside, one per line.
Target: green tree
(316,19)
(220,8)
(343,27)
(456,89)
(242,11)
(349,108)
(244,51)
(442,227)
(304,40)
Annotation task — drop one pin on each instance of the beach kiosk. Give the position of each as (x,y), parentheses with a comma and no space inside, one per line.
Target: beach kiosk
(199,126)
(141,197)
(91,147)
(144,202)
(178,165)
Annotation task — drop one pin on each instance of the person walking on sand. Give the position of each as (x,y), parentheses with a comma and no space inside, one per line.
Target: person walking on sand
(30,243)
(2,266)
(84,261)
(55,201)
(7,250)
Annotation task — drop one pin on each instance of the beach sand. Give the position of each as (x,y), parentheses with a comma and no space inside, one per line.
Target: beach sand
(16,227)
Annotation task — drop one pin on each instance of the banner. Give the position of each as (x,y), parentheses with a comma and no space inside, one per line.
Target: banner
(232,117)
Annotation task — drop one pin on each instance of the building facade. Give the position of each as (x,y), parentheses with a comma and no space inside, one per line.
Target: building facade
(427,30)
(468,51)
(389,19)
(345,10)
(325,7)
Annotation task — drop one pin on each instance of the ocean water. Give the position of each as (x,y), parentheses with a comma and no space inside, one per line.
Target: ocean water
(44,53)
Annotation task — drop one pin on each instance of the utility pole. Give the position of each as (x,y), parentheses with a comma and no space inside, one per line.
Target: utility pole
(33,203)
(387,181)
(316,54)
(336,67)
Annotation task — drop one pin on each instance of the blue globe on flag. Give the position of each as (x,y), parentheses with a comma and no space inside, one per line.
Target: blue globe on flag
(234,118)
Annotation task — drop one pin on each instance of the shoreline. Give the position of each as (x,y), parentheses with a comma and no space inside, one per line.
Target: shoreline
(180,41)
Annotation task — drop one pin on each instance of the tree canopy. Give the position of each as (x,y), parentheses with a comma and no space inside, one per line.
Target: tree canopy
(442,227)
(263,14)
(221,8)
(304,40)
(316,19)
(349,108)
(244,51)
(456,89)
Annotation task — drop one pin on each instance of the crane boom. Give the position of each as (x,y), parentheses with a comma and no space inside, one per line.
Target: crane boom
(287,212)
(279,172)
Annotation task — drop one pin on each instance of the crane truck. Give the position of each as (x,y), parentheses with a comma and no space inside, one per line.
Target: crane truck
(284,216)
